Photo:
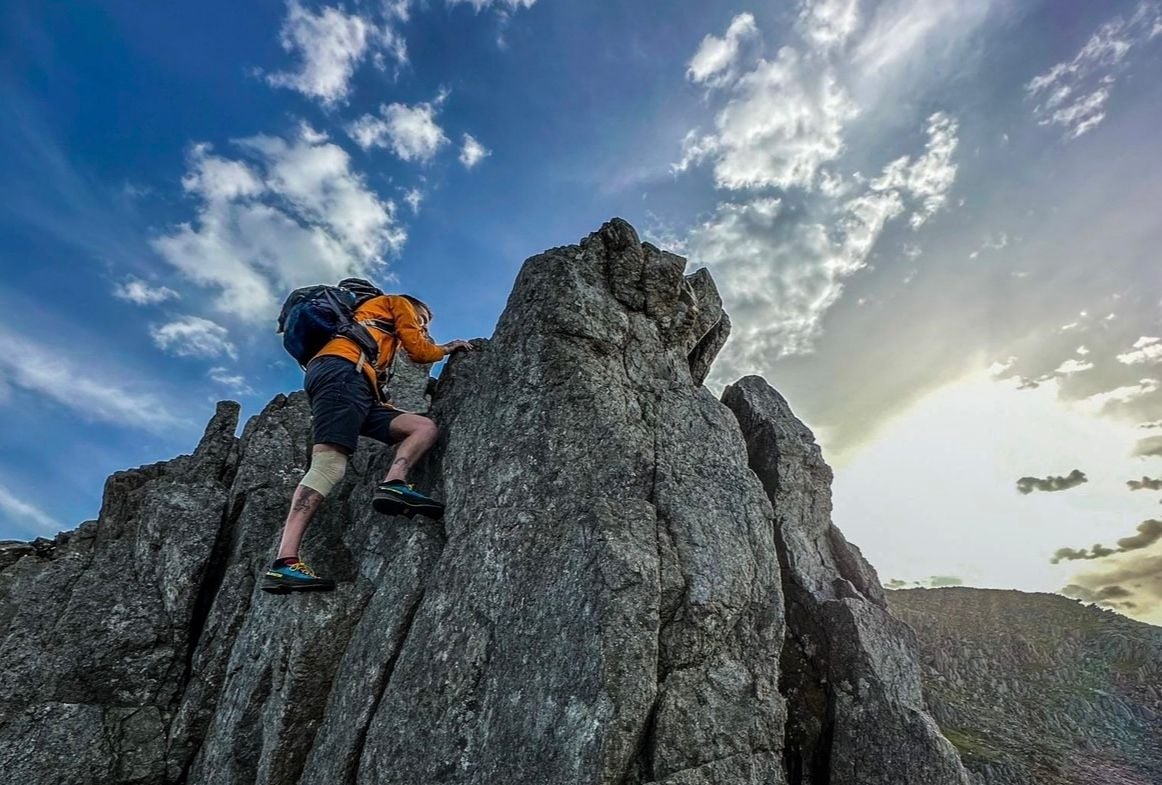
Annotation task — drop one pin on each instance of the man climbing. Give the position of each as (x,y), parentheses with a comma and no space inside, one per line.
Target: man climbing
(343,385)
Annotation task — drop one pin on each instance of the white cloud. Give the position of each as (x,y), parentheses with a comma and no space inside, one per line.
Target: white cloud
(93,391)
(472,152)
(781,256)
(828,24)
(20,509)
(1082,350)
(1074,94)
(1121,395)
(294,213)
(413,198)
(714,62)
(1072,366)
(906,31)
(1146,350)
(219,179)
(141,293)
(929,178)
(998,369)
(784,120)
(991,244)
(410,131)
(780,272)
(236,383)
(480,5)
(193,336)
(330,44)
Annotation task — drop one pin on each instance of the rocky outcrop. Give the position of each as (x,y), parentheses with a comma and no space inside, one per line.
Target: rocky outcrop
(849,670)
(627,588)
(1038,689)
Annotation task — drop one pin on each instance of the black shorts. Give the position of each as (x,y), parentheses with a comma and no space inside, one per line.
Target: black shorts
(343,405)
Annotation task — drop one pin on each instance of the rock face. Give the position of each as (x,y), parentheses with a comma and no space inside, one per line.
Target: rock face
(627,588)
(1037,689)
(850,671)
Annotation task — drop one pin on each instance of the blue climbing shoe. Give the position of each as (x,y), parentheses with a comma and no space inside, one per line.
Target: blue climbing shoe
(296,576)
(400,498)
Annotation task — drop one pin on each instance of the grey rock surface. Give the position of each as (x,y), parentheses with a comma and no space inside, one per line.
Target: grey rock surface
(850,670)
(602,603)
(95,639)
(1038,689)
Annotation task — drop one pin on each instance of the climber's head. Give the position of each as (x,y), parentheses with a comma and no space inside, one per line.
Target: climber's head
(423,311)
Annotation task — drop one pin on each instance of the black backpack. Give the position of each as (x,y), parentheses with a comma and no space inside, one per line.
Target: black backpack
(313,315)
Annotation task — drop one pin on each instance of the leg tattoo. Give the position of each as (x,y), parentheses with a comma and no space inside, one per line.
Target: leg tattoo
(307,500)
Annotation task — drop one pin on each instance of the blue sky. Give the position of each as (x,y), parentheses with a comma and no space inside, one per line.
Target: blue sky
(934,224)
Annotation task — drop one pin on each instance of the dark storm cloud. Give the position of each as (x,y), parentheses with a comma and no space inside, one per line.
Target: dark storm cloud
(1132,584)
(1149,532)
(1114,592)
(1072,480)
(1098,551)
(1146,484)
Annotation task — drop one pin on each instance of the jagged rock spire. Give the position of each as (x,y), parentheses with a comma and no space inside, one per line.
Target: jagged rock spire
(603,602)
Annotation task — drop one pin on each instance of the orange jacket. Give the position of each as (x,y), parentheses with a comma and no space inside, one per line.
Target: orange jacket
(408,333)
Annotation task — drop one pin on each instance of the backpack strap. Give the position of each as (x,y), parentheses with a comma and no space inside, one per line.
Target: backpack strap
(384,325)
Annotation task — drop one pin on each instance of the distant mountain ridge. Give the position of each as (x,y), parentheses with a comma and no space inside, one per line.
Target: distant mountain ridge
(1038,689)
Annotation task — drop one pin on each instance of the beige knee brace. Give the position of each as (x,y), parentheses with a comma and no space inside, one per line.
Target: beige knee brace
(327,469)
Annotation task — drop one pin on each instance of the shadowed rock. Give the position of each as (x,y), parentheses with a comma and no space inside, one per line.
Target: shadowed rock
(850,670)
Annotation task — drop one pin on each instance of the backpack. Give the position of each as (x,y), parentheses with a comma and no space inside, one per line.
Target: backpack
(313,315)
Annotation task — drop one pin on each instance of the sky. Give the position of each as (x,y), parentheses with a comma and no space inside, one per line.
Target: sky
(934,224)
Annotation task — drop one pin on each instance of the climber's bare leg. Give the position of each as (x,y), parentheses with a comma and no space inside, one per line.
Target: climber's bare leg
(414,435)
(304,504)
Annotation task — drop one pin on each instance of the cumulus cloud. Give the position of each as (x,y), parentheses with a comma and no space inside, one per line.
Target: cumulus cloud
(780,271)
(716,59)
(998,369)
(1126,394)
(20,510)
(797,222)
(784,120)
(290,212)
(92,391)
(1149,532)
(411,132)
(1146,483)
(929,178)
(1072,480)
(1072,366)
(413,198)
(1148,448)
(141,293)
(234,382)
(472,152)
(1147,349)
(330,45)
(193,336)
(1074,95)
(828,24)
